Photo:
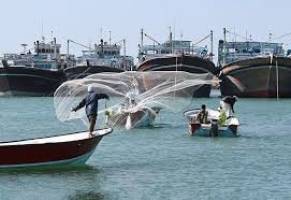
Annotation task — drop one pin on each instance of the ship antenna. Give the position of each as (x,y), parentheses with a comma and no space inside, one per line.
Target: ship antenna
(109,37)
(170,34)
(42,36)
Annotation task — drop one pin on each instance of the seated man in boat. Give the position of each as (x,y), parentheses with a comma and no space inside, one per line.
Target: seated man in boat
(202,116)
(91,103)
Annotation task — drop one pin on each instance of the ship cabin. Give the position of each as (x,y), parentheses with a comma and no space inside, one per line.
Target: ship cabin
(45,56)
(171,47)
(229,52)
(105,54)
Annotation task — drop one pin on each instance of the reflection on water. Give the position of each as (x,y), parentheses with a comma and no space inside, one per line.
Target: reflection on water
(48,170)
(79,195)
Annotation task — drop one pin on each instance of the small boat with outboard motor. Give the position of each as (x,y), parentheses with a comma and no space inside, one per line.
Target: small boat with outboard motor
(72,149)
(220,122)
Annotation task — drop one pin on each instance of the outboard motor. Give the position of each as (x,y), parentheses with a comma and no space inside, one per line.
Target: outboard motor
(214,129)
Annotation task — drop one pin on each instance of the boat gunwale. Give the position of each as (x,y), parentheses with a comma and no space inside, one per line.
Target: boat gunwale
(207,61)
(8,143)
(34,69)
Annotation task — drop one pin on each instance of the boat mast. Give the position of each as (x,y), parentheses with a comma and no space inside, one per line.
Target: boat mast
(124,47)
(211,45)
(55,48)
(68,48)
(224,46)
(102,48)
(171,39)
(37,48)
(141,41)
(109,37)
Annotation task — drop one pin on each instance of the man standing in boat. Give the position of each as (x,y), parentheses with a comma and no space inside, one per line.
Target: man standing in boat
(227,105)
(91,104)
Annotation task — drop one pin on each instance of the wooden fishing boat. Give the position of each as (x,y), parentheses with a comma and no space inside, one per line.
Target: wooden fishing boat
(61,150)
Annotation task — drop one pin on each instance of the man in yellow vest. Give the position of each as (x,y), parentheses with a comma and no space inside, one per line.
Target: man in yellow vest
(203,115)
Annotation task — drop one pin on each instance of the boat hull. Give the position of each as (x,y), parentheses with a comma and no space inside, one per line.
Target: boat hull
(71,149)
(195,130)
(267,77)
(187,63)
(26,81)
(140,118)
(83,71)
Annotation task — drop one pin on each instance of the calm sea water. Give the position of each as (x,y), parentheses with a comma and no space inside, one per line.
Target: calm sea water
(161,162)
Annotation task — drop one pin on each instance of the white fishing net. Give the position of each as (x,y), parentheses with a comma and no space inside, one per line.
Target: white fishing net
(135,97)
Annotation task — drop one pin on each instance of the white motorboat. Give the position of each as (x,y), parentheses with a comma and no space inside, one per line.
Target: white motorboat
(220,122)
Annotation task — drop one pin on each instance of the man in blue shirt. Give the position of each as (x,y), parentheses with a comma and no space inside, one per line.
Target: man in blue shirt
(91,105)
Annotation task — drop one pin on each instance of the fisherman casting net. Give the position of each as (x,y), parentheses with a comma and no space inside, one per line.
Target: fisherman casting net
(135,97)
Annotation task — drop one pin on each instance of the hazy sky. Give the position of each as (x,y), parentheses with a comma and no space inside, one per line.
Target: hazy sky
(82,20)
